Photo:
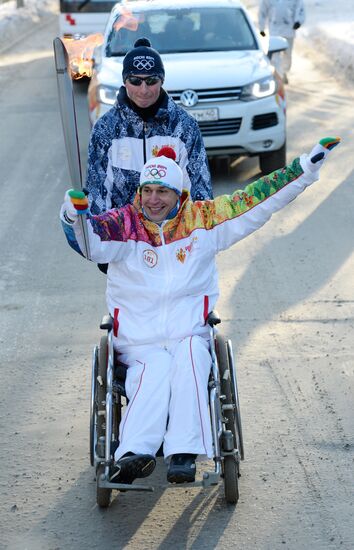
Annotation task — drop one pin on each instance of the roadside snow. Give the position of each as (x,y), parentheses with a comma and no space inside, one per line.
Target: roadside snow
(17,22)
(328,31)
(329,28)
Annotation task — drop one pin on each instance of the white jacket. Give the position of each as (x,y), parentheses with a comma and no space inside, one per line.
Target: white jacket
(280,15)
(162,280)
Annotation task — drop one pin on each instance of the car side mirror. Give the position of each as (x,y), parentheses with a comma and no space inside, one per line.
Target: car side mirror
(277,44)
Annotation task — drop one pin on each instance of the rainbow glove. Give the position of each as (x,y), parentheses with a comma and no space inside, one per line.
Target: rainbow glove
(75,204)
(319,153)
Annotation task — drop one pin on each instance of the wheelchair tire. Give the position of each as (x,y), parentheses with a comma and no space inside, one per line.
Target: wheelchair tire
(98,387)
(93,407)
(101,386)
(103,496)
(231,476)
(230,463)
(236,401)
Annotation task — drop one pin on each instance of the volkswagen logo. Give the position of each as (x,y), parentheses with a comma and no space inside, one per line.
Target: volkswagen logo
(189,98)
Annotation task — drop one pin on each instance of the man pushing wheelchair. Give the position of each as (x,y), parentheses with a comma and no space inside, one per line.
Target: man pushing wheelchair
(162,283)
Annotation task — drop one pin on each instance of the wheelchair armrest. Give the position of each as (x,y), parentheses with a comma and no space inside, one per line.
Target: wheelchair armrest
(106,323)
(213,318)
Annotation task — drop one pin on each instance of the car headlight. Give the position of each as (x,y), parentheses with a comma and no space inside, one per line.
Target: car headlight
(107,94)
(261,88)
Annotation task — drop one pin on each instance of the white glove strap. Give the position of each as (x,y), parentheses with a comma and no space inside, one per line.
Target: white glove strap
(70,212)
(313,167)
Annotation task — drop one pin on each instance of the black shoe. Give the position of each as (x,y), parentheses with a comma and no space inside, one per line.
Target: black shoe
(131,466)
(182,468)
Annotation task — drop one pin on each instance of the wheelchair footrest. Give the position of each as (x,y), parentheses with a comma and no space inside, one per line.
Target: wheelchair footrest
(210,478)
(124,486)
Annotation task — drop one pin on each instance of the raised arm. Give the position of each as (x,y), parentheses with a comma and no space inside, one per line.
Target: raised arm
(235,216)
(106,232)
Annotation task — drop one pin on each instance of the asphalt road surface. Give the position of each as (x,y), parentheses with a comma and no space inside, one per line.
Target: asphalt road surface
(287,303)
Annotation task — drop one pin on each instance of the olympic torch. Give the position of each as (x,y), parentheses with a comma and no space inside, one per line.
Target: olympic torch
(69,123)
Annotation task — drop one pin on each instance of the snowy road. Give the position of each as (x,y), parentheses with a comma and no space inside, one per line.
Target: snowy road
(287,302)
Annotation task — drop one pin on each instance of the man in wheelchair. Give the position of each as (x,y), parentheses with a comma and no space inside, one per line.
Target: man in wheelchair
(162,283)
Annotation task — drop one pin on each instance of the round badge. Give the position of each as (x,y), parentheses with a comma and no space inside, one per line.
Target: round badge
(150,258)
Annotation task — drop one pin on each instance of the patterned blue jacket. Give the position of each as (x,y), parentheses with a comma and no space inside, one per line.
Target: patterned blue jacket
(121,142)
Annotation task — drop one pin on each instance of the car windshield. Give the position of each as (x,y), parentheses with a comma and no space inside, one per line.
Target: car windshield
(86,6)
(182,30)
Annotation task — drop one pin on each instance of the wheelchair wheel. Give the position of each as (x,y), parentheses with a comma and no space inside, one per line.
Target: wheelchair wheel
(231,475)
(230,462)
(101,386)
(103,496)
(98,398)
(236,401)
(93,407)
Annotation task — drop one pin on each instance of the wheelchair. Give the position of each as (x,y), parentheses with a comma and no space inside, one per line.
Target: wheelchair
(108,398)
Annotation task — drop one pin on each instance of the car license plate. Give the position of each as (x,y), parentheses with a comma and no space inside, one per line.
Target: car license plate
(204,115)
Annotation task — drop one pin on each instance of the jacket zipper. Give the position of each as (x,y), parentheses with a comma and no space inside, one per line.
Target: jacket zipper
(165,302)
(144,140)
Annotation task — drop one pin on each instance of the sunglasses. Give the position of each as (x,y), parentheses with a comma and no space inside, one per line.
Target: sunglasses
(138,80)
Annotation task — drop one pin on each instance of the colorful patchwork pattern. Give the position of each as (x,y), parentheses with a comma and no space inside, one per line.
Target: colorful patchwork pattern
(126,223)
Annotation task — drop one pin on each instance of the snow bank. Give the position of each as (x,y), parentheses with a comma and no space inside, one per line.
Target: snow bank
(17,22)
(328,31)
(335,40)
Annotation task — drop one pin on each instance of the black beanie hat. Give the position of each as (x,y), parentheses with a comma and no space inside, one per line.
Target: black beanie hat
(143,59)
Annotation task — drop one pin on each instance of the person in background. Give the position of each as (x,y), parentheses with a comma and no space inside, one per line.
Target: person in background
(282,18)
(143,121)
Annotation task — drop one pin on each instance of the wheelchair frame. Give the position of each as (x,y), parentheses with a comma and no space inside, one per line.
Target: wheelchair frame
(106,408)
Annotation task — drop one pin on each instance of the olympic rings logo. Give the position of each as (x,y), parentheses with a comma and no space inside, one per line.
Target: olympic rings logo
(155,173)
(144,63)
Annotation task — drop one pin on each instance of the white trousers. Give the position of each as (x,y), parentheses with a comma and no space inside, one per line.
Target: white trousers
(282,60)
(167,388)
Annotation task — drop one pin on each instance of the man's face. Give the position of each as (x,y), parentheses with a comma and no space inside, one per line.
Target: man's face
(158,201)
(143,95)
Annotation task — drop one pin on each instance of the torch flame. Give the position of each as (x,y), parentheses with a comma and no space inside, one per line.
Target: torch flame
(80,50)
(80,53)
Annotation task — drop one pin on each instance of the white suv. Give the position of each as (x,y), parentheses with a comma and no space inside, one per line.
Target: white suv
(216,67)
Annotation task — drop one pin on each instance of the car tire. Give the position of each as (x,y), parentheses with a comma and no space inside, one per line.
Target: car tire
(268,162)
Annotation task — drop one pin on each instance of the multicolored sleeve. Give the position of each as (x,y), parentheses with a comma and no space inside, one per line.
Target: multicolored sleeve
(107,236)
(234,217)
